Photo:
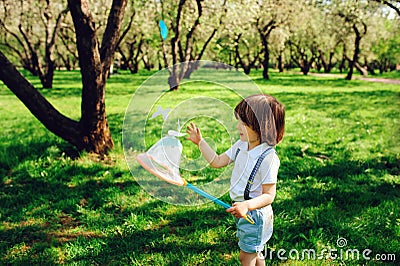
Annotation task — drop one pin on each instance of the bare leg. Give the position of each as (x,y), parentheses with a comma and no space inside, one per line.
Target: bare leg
(260,260)
(248,259)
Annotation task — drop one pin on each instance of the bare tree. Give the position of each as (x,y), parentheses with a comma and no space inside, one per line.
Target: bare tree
(352,15)
(265,31)
(130,42)
(353,62)
(247,58)
(271,15)
(303,56)
(308,40)
(30,42)
(91,132)
(187,47)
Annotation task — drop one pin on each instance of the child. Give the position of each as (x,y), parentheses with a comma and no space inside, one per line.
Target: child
(261,122)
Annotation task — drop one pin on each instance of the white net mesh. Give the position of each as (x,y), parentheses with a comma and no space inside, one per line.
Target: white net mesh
(163,159)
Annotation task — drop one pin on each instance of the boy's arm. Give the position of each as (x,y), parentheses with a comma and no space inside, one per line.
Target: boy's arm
(266,198)
(240,209)
(212,157)
(208,153)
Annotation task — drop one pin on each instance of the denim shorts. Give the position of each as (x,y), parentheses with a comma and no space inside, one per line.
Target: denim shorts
(253,237)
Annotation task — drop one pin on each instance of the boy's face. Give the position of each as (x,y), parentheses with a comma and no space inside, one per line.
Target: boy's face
(246,133)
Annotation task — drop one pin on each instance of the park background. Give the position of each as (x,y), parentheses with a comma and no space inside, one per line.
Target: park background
(66,194)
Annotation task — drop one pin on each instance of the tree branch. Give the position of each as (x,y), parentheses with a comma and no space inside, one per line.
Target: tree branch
(125,32)
(57,27)
(36,103)
(200,55)
(389,4)
(111,34)
(175,41)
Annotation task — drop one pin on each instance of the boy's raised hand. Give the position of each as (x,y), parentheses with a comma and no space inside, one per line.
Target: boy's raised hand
(194,133)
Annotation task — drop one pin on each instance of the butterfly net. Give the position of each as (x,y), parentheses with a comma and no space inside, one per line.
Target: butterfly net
(163,159)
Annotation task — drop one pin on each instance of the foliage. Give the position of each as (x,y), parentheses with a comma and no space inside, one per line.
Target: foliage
(339,177)
(386,49)
(325,26)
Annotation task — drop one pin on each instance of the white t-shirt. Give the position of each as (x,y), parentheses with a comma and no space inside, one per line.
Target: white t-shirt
(244,164)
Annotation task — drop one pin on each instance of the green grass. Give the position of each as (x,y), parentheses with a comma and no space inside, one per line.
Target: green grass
(339,177)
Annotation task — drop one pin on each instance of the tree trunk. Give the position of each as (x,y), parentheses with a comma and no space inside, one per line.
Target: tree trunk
(371,67)
(250,62)
(281,65)
(134,67)
(342,64)
(146,62)
(324,64)
(91,132)
(95,64)
(49,62)
(173,79)
(361,69)
(264,33)
(44,69)
(305,68)
(193,66)
(357,41)
(47,77)
(265,61)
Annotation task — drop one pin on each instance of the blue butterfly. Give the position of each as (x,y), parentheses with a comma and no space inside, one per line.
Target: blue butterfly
(163,29)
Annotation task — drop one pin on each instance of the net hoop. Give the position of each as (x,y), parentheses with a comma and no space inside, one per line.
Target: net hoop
(151,166)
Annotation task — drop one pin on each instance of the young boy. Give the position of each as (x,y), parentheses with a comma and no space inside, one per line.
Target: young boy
(261,122)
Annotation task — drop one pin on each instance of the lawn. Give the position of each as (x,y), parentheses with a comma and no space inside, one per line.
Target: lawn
(338,188)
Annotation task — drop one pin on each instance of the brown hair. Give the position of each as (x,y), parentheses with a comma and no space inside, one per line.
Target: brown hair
(265,115)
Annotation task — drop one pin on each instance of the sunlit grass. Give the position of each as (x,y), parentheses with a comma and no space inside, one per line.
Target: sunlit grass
(339,177)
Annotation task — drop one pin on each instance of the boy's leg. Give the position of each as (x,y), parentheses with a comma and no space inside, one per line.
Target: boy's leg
(260,259)
(250,259)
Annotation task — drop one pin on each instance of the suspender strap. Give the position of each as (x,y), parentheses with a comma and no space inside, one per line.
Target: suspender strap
(237,152)
(253,174)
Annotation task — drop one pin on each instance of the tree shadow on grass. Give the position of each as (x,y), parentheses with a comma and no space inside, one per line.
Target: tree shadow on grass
(48,202)
(350,199)
(37,230)
(174,241)
(39,213)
